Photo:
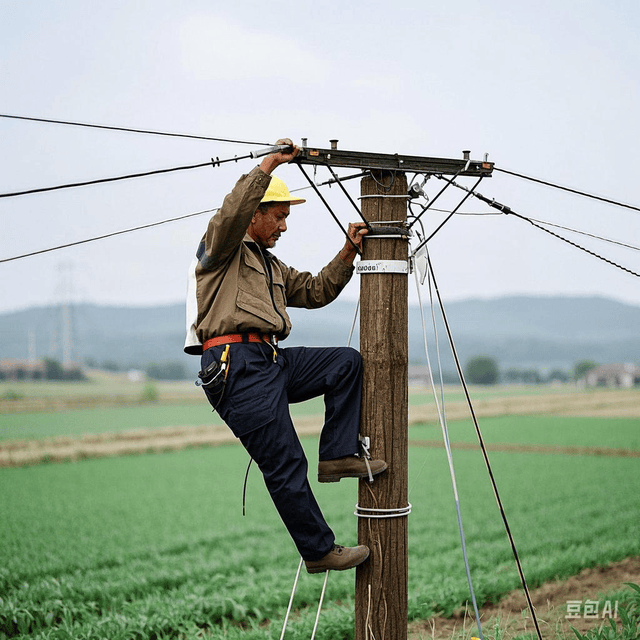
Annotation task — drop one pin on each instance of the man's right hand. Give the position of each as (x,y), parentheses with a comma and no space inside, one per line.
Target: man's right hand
(274,160)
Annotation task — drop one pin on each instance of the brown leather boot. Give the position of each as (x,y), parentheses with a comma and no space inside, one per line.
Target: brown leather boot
(339,559)
(348,467)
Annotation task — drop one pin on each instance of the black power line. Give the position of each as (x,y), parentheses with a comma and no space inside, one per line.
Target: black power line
(214,162)
(576,191)
(129,130)
(114,179)
(107,235)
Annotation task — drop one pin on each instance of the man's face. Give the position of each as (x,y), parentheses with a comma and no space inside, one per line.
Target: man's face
(267,227)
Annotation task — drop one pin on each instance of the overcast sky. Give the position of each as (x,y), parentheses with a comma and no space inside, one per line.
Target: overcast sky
(548,89)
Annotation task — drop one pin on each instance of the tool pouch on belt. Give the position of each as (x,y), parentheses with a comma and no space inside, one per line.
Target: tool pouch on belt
(214,377)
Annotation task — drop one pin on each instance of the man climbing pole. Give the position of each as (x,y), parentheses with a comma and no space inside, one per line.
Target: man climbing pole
(236,318)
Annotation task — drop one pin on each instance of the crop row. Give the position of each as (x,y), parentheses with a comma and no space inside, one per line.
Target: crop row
(156,546)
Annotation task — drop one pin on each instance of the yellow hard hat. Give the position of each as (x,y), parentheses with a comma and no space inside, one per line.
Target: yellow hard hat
(278,192)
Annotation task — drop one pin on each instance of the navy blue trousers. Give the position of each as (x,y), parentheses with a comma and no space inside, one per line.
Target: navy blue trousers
(255,406)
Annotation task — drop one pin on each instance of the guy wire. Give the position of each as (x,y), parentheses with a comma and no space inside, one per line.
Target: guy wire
(485,455)
(440,407)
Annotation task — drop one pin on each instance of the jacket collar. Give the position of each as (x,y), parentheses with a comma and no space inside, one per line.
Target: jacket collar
(249,241)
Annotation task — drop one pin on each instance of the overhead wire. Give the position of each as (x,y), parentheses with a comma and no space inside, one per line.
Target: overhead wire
(569,189)
(143,174)
(107,235)
(509,211)
(575,244)
(584,233)
(130,129)
(147,226)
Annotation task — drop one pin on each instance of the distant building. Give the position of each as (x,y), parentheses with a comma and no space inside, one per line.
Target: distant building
(135,375)
(623,376)
(22,370)
(419,376)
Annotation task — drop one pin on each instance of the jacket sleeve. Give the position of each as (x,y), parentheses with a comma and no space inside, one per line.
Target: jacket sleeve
(306,290)
(227,227)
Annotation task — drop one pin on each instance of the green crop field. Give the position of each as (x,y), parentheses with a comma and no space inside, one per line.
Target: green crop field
(562,431)
(40,424)
(155,546)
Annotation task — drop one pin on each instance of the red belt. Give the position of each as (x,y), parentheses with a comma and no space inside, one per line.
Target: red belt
(239,337)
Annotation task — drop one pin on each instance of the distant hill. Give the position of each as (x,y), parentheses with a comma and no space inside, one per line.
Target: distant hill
(517,331)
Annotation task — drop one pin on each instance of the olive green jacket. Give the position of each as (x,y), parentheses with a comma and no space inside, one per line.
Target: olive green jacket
(235,287)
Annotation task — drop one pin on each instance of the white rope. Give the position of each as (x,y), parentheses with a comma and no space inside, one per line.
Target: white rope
(324,588)
(363,512)
(293,592)
(445,434)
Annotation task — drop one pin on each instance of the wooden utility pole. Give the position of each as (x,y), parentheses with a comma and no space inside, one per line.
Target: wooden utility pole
(381,582)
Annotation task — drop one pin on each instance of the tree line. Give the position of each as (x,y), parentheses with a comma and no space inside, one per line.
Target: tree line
(485,370)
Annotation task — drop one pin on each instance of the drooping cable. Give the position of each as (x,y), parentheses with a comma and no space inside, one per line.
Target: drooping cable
(582,233)
(440,407)
(509,211)
(483,448)
(575,244)
(129,129)
(141,227)
(570,190)
(107,235)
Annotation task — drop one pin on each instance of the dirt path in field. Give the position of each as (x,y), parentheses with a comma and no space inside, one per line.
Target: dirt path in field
(594,403)
(550,603)
(99,445)
(15,453)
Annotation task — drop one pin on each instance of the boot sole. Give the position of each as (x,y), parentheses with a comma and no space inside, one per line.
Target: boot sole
(338,476)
